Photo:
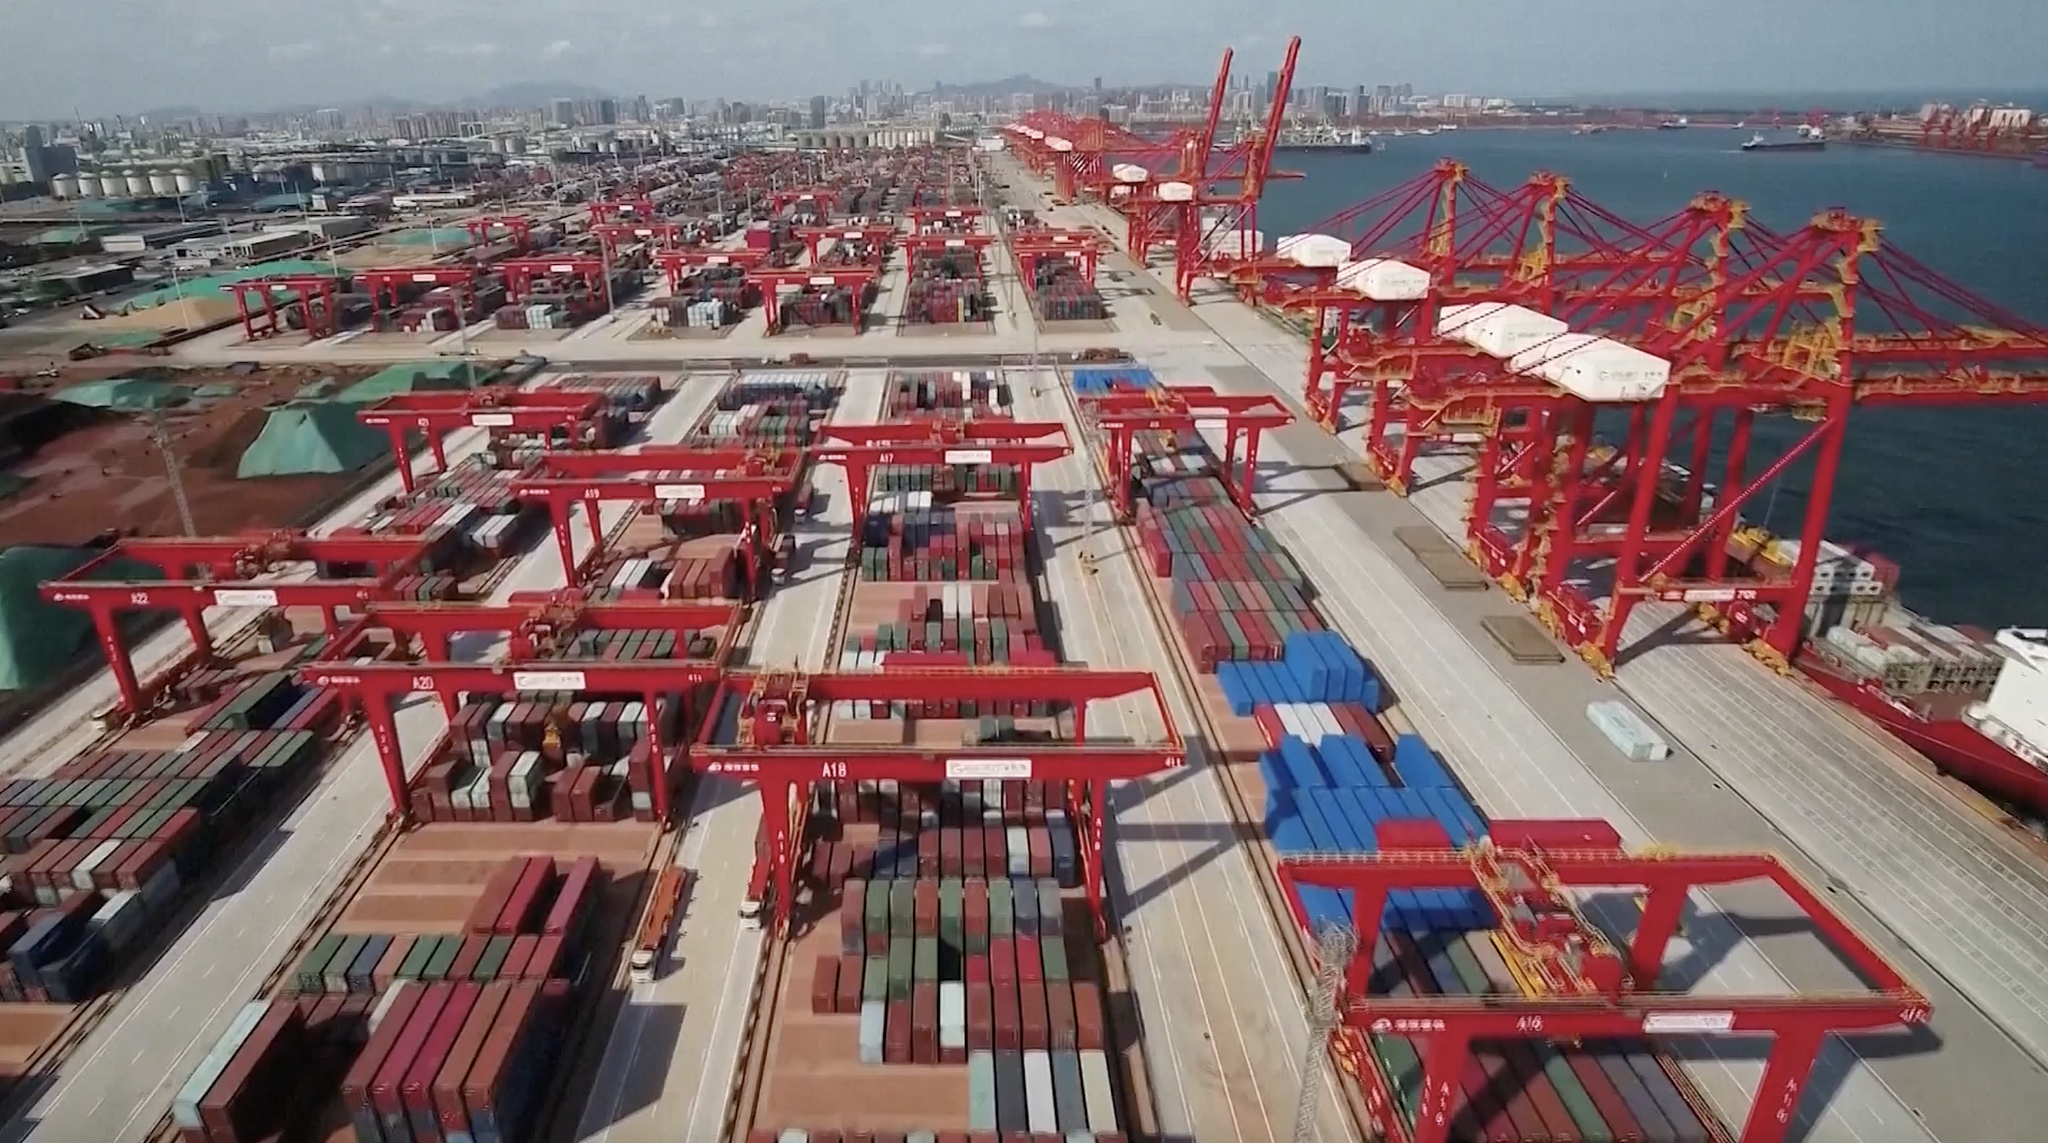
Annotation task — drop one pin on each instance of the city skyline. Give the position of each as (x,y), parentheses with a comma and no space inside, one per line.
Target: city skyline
(240,56)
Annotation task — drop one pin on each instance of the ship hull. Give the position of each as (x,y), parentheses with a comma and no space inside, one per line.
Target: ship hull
(1810,145)
(1953,746)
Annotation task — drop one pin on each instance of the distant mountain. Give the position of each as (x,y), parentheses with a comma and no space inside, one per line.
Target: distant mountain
(536,93)
(1014,85)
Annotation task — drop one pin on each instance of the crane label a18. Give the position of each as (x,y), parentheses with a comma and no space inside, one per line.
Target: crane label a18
(1000,769)
(832,770)
(548,680)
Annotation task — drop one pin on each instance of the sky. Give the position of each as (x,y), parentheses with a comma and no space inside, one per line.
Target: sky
(111,56)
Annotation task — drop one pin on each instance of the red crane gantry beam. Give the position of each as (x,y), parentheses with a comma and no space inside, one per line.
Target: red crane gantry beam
(769,282)
(438,413)
(823,196)
(752,477)
(934,243)
(392,279)
(232,564)
(1577,984)
(518,227)
(310,294)
(675,264)
(782,745)
(1005,443)
(1034,247)
(876,237)
(922,216)
(1187,408)
(520,274)
(606,210)
(612,234)
(541,626)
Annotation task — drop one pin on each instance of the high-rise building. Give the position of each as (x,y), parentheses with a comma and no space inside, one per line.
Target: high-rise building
(563,113)
(608,112)
(817,112)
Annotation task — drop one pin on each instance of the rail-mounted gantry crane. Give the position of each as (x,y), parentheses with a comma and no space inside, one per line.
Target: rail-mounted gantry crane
(435,414)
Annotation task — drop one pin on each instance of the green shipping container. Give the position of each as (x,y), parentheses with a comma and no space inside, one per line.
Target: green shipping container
(415,962)
(901,954)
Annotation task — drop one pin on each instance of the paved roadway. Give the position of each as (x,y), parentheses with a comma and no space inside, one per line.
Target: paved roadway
(117,1084)
(1223,1027)
(674,1048)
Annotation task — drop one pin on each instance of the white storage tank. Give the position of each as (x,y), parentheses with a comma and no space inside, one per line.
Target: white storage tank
(64,186)
(1496,328)
(186,181)
(1384,280)
(89,186)
(163,183)
(1317,250)
(1176,192)
(137,183)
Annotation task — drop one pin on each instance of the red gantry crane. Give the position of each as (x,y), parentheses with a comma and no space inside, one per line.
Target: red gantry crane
(393,280)
(676,265)
(239,571)
(522,273)
(771,282)
(942,219)
(658,235)
(875,239)
(610,210)
(1000,443)
(757,479)
(541,627)
(1186,408)
(540,411)
(1810,326)
(516,227)
(1200,245)
(1577,985)
(783,744)
(1034,247)
(312,295)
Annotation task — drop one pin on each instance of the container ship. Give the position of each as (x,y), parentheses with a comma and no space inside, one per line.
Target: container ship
(1975,703)
(1354,141)
(1678,124)
(1804,139)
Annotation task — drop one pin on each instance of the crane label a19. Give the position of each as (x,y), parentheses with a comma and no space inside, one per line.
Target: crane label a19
(969,456)
(244,597)
(689,492)
(548,680)
(1688,1023)
(1001,769)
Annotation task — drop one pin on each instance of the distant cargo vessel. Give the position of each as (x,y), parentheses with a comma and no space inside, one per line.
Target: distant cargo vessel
(1354,141)
(1805,139)
(1678,124)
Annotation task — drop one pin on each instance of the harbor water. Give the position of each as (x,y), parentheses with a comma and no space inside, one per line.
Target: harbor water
(1954,495)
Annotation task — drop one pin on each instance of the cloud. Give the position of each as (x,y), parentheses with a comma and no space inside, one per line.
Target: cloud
(555,50)
(1034,20)
(930,50)
(483,49)
(297,51)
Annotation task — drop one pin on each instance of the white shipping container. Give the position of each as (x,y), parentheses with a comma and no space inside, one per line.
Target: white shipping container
(1101,1097)
(1597,369)
(872,1015)
(1129,173)
(1384,280)
(1497,329)
(1176,192)
(1627,731)
(1041,1116)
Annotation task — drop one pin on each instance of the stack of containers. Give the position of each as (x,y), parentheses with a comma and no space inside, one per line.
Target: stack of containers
(905,538)
(819,307)
(958,946)
(993,623)
(107,842)
(1060,293)
(568,757)
(528,924)
(949,394)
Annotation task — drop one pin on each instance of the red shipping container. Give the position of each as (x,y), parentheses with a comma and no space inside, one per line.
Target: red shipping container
(483,917)
(1008,1035)
(1002,960)
(980,1017)
(1029,960)
(446,1089)
(467,954)
(1059,1002)
(848,999)
(1088,1016)
(386,1089)
(924,1023)
(547,959)
(417,1093)
(526,898)
(1031,1017)
(896,1033)
(825,985)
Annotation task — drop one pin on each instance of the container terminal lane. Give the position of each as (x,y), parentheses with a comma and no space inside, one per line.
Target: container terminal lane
(1220,1008)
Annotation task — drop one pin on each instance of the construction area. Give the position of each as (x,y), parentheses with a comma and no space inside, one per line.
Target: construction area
(986,646)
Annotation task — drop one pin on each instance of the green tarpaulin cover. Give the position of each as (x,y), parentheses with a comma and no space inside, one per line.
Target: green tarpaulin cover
(306,437)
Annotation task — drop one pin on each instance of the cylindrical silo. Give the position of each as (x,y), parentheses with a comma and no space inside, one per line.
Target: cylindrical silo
(163,183)
(187,182)
(137,184)
(64,186)
(89,186)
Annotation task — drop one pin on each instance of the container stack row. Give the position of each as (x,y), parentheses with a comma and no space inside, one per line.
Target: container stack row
(907,538)
(102,848)
(990,624)
(277,1061)
(947,287)
(771,408)
(529,924)
(1590,1092)
(549,757)
(472,480)
(947,394)
(1060,293)
(824,307)
(797,1135)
